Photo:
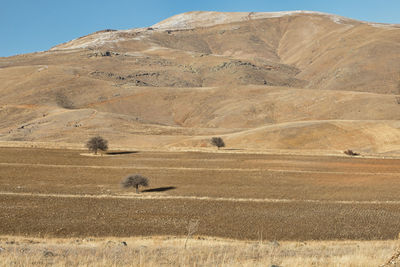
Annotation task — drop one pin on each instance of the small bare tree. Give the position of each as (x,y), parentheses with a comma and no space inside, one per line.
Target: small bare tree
(192,228)
(218,142)
(97,143)
(135,180)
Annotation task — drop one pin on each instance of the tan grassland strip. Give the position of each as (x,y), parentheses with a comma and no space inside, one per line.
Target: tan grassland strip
(144,197)
(191,169)
(207,251)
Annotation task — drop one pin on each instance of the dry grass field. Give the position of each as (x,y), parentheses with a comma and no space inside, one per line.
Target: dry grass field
(67,208)
(166,251)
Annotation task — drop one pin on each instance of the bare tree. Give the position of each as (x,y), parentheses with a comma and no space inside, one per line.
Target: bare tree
(97,143)
(218,142)
(192,228)
(135,180)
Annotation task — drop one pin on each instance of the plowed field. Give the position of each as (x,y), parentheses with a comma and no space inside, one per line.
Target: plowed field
(242,196)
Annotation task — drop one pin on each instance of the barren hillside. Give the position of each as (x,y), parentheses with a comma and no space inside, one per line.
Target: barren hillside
(285,80)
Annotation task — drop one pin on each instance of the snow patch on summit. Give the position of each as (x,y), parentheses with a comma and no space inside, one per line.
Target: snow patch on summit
(210,18)
(191,20)
(97,39)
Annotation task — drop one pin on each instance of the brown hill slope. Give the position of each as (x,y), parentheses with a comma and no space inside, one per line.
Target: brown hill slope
(265,80)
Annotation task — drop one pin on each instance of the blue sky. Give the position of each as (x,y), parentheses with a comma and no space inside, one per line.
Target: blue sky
(37,25)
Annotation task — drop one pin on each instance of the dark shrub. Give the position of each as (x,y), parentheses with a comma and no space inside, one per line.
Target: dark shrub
(350,152)
(218,142)
(97,143)
(135,180)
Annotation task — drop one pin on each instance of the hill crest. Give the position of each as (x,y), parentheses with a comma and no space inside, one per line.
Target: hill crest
(194,19)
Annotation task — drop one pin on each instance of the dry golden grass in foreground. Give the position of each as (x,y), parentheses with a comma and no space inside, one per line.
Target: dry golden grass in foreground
(169,251)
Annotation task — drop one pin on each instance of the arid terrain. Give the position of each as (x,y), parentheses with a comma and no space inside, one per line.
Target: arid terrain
(241,196)
(287,91)
(167,251)
(287,80)
(48,194)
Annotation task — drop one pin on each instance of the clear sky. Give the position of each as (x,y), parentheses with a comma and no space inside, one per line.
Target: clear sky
(37,25)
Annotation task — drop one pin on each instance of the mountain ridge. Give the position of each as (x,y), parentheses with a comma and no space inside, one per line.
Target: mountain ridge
(177,22)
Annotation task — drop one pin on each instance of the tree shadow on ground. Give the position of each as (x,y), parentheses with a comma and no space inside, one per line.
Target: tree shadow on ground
(159,189)
(121,152)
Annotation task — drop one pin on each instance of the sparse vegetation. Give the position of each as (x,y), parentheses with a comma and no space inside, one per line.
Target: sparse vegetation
(63,101)
(92,202)
(218,142)
(394,259)
(135,180)
(97,143)
(192,228)
(351,153)
(167,251)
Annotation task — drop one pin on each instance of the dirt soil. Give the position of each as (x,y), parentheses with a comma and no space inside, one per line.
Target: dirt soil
(61,193)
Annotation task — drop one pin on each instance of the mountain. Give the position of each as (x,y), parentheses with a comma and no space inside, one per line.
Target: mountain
(295,80)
